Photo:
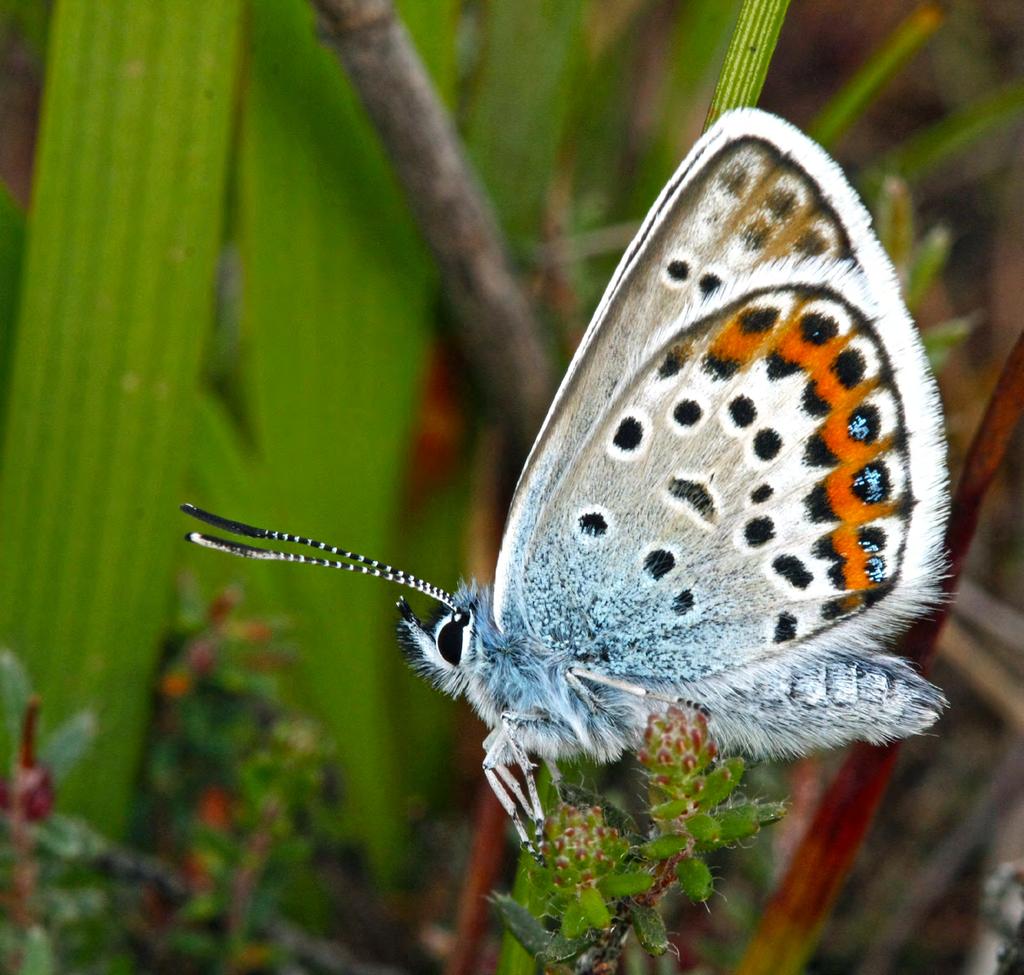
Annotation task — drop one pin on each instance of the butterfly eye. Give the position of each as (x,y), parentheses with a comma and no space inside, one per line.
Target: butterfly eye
(450,638)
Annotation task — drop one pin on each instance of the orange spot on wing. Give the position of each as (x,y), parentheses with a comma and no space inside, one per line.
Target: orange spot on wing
(846,543)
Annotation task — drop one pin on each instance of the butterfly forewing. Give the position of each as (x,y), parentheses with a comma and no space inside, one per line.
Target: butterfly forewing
(731,466)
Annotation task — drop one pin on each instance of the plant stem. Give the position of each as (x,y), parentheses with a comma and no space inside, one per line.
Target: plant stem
(500,334)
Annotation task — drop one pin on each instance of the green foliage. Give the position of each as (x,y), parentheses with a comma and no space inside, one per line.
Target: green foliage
(114,304)
(750,52)
(235,796)
(919,262)
(598,872)
(846,105)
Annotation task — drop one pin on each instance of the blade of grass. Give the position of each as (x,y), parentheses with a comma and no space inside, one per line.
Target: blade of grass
(116,297)
(337,297)
(12,243)
(853,99)
(791,924)
(517,111)
(954,134)
(514,958)
(701,33)
(749,54)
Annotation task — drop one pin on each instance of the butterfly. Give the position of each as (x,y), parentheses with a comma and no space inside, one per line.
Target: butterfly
(736,499)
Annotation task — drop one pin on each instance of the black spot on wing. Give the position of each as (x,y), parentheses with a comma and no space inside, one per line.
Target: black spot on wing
(793,571)
(695,494)
(785,627)
(659,563)
(767,444)
(678,270)
(687,412)
(743,411)
(759,531)
(629,434)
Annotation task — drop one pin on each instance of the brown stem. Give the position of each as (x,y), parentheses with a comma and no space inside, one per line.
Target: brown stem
(25,871)
(497,326)
(481,875)
(792,921)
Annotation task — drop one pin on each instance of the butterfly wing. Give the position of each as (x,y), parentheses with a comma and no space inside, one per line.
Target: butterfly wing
(745,456)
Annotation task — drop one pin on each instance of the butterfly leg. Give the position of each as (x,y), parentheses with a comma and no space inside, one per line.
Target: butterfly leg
(508,803)
(534,808)
(504,744)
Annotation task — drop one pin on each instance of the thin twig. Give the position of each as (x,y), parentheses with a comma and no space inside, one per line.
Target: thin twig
(498,329)
(792,921)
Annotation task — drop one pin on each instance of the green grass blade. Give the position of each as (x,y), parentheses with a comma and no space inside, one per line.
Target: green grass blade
(521,101)
(12,243)
(952,135)
(850,102)
(699,41)
(338,294)
(749,54)
(116,298)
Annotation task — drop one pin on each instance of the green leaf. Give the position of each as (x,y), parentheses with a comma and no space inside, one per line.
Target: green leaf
(894,222)
(514,959)
(615,817)
(928,262)
(720,782)
(694,879)
(939,143)
(67,744)
(522,96)
(523,926)
(671,809)
(703,828)
(740,821)
(69,838)
(663,847)
(850,102)
(38,956)
(650,929)
(115,304)
(335,339)
(594,908)
(749,54)
(574,920)
(625,884)
(12,241)
(15,690)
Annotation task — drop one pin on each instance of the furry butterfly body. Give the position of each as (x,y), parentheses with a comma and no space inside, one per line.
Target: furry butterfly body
(737,497)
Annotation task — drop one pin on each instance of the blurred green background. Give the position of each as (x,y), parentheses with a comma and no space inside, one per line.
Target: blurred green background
(211,290)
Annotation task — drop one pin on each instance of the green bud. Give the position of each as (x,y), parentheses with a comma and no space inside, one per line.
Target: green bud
(695,879)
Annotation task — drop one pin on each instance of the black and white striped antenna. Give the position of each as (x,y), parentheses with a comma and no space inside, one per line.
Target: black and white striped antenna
(369,567)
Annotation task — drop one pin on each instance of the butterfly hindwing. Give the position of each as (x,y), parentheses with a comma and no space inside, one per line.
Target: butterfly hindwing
(745,455)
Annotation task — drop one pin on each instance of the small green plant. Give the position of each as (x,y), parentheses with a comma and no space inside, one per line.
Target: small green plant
(601,877)
(233,799)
